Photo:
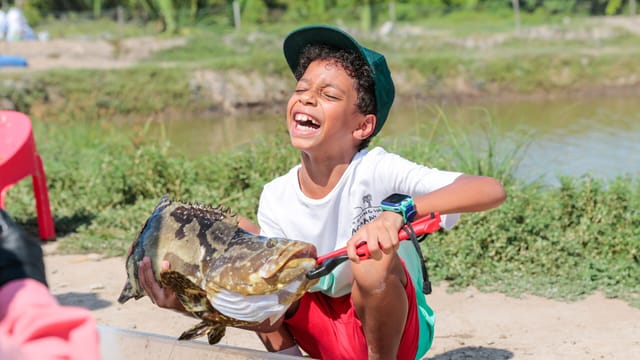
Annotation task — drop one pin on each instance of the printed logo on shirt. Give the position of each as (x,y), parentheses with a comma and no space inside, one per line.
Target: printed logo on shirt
(364,214)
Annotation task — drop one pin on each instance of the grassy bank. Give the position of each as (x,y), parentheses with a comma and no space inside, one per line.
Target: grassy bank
(561,242)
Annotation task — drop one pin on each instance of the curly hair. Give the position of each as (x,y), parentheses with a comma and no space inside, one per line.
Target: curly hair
(356,68)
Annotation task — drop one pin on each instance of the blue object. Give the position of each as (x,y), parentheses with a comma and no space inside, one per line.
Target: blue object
(11,60)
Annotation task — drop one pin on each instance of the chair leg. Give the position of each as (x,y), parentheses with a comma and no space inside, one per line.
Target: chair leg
(41,193)
(3,192)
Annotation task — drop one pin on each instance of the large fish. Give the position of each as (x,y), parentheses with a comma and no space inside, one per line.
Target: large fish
(215,265)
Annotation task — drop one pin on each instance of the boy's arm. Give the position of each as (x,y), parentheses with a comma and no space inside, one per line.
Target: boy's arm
(248,225)
(467,193)
(274,337)
(278,339)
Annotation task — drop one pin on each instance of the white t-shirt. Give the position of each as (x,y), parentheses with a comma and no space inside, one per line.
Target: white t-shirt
(328,223)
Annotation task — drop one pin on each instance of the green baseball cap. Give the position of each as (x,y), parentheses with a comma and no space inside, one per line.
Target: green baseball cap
(295,42)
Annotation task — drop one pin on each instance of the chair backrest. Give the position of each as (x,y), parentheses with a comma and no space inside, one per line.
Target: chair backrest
(17,150)
(15,129)
(17,147)
(19,159)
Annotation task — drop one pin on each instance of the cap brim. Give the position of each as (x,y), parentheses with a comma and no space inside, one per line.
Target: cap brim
(295,42)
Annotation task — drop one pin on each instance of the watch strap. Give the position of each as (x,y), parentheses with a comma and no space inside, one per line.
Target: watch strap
(404,207)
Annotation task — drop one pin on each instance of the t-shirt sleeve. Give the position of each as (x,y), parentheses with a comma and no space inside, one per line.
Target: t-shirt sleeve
(267,212)
(412,177)
(407,177)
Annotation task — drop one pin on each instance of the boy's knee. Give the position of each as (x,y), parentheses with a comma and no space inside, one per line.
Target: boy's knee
(378,277)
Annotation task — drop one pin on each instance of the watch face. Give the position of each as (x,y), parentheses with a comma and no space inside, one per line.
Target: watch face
(395,198)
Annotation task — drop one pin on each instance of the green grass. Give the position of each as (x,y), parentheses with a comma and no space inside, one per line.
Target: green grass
(92,95)
(227,49)
(562,242)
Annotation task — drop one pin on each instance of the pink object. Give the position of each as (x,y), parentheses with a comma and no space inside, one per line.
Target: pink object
(19,159)
(34,326)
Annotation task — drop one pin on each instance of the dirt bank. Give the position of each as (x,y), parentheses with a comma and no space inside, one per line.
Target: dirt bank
(85,53)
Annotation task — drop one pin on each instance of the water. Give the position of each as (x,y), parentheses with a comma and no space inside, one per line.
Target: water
(599,136)
(573,137)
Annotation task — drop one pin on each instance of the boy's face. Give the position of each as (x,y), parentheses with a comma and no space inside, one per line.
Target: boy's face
(322,114)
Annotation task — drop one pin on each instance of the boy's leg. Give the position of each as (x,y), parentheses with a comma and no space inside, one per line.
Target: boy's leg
(329,328)
(277,340)
(381,303)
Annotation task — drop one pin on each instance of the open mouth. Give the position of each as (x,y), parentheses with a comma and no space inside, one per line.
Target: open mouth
(306,122)
(294,252)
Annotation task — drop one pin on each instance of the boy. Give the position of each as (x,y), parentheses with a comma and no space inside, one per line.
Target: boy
(370,308)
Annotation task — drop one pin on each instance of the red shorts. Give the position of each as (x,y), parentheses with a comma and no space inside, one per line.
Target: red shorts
(328,328)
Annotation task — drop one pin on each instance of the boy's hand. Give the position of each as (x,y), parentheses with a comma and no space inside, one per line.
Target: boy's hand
(163,297)
(381,236)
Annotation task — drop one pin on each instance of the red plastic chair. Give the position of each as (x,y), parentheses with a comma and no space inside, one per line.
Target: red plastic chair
(19,159)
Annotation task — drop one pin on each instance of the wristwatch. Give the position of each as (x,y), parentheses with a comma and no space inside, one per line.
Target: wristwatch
(401,204)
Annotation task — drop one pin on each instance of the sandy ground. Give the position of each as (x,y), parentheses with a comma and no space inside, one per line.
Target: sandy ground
(470,324)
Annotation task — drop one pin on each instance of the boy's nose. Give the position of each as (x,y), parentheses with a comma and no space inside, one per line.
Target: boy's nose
(307,98)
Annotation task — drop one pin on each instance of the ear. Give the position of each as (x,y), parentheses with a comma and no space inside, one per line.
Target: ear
(365,127)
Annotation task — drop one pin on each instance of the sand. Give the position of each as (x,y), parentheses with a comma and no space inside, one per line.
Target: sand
(470,324)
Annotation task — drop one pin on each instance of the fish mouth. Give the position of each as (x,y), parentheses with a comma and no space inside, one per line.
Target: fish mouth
(292,255)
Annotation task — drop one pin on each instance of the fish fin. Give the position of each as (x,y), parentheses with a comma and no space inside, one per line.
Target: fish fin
(192,297)
(214,331)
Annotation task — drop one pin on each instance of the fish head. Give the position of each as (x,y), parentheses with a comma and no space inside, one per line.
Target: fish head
(256,265)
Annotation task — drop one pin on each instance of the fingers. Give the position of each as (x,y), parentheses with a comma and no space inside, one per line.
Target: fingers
(381,236)
(387,240)
(391,242)
(351,247)
(165,265)
(149,283)
(163,297)
(147,278)
(369,239)
(389,225)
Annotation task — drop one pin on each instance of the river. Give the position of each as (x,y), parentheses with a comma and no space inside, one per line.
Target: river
(568,136)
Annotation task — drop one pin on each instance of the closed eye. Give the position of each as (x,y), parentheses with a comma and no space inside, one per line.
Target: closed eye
(330,96)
